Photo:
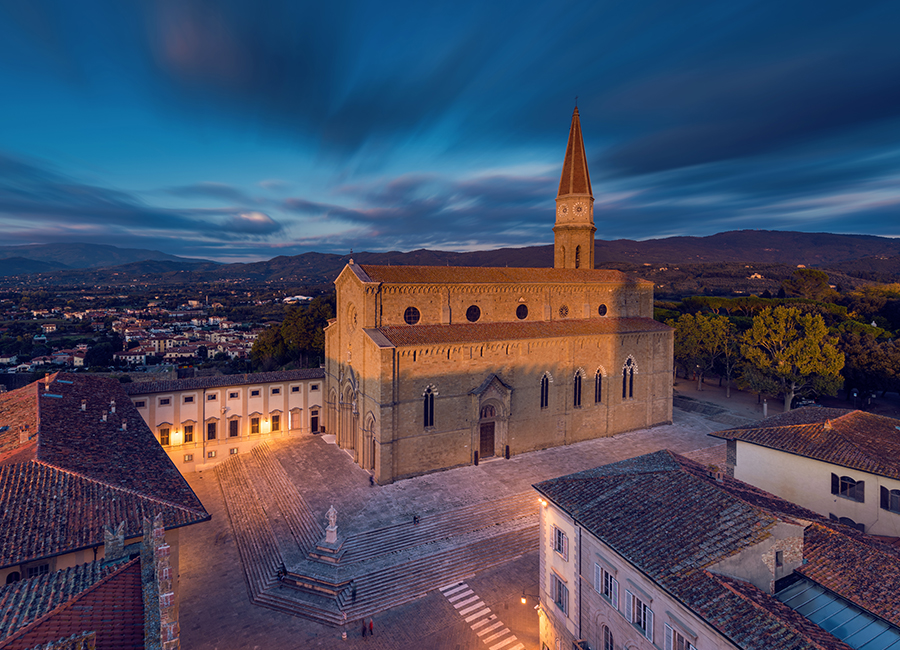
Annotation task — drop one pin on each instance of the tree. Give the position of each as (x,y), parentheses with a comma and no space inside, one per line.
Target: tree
(788,351)
(872,362)
(808,283)
(699,341)
(731,355)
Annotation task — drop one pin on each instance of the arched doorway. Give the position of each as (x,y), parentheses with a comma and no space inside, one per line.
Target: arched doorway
(487,424)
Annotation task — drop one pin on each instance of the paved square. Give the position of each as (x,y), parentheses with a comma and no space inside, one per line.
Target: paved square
(216,612)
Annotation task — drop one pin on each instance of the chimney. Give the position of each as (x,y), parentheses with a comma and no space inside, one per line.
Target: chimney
(124,425)
(84,405)
(827,425)
(103,417)
(112,406)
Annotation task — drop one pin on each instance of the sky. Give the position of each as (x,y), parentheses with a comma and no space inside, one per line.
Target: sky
(239,131)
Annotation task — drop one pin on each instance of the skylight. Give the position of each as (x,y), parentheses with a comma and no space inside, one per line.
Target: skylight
(841,618)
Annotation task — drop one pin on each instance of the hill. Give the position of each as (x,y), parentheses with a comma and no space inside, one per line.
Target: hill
(675,264)
(83,256)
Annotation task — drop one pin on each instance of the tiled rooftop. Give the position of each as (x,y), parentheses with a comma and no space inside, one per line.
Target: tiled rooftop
(489,275)
(218,381)
(107,601)
(852,439)
(23,602)
(668,517)
(515,330)
(72,472)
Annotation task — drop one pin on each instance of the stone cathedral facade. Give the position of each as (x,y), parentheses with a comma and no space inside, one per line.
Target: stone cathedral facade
(429,368)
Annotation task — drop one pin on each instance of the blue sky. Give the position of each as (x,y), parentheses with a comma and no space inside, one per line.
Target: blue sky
(239,131)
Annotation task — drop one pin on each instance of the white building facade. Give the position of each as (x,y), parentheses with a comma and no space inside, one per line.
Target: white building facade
(203,420)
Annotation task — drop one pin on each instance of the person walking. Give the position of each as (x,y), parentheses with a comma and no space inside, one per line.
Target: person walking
(365,627)
(371,627)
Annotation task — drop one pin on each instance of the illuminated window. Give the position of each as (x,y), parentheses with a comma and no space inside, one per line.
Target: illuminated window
(189,433)
(254,425)
(276,423)
(164,436)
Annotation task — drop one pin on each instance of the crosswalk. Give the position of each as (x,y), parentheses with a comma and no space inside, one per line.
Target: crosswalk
(481,620)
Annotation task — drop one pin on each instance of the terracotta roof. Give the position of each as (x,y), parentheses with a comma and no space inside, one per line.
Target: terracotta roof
(668,517)
(23,602)
(575,178)
(45,511)
(106,600)
(851,562)
(489,275)
(515,330)
(852,439)
(66,471)
(220,381)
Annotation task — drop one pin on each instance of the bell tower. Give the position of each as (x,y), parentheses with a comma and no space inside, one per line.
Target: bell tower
(574,230)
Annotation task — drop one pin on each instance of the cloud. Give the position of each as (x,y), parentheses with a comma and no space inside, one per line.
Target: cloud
(212,190)
(253,223)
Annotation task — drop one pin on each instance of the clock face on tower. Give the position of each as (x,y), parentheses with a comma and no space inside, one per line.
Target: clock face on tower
(579,208)
(562,210)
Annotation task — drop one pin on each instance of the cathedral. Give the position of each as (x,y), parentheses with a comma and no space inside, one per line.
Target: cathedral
(428,368)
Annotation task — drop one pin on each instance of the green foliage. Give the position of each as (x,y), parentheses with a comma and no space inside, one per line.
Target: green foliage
(699,341)
(808,283)
(787,351)
(298,341)
(872,362)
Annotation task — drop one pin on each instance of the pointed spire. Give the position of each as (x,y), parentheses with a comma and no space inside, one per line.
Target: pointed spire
(575,178)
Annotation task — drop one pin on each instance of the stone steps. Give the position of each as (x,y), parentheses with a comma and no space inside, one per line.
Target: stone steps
(440,526)
(402,583)
(298,516)
(253,534)
(390,566)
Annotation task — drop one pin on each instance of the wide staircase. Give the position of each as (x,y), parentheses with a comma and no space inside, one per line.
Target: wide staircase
(275,530)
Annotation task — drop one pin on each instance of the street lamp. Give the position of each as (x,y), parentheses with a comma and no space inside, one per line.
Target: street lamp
(525,598)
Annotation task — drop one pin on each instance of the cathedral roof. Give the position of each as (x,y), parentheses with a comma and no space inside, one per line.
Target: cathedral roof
(575,177)
(488,275)
(399,335)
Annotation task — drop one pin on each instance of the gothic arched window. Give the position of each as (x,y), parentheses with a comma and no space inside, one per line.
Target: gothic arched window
(578,257)
(576,392)
(628,379)
(428,418)
(545,391)
(598,387)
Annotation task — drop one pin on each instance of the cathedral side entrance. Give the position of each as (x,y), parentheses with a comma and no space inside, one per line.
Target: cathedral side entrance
(488,425)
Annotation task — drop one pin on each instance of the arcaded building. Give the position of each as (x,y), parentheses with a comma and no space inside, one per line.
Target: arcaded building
(436,367)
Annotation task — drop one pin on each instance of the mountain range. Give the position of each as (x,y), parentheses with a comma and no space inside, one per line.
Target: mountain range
(861,256)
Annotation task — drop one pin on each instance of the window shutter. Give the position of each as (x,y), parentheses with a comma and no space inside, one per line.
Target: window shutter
(669,643)
(598,578)
(629,606)
(835,484)
(885,498)
(650,625)
(860,490)
(565,547)
(615,593)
